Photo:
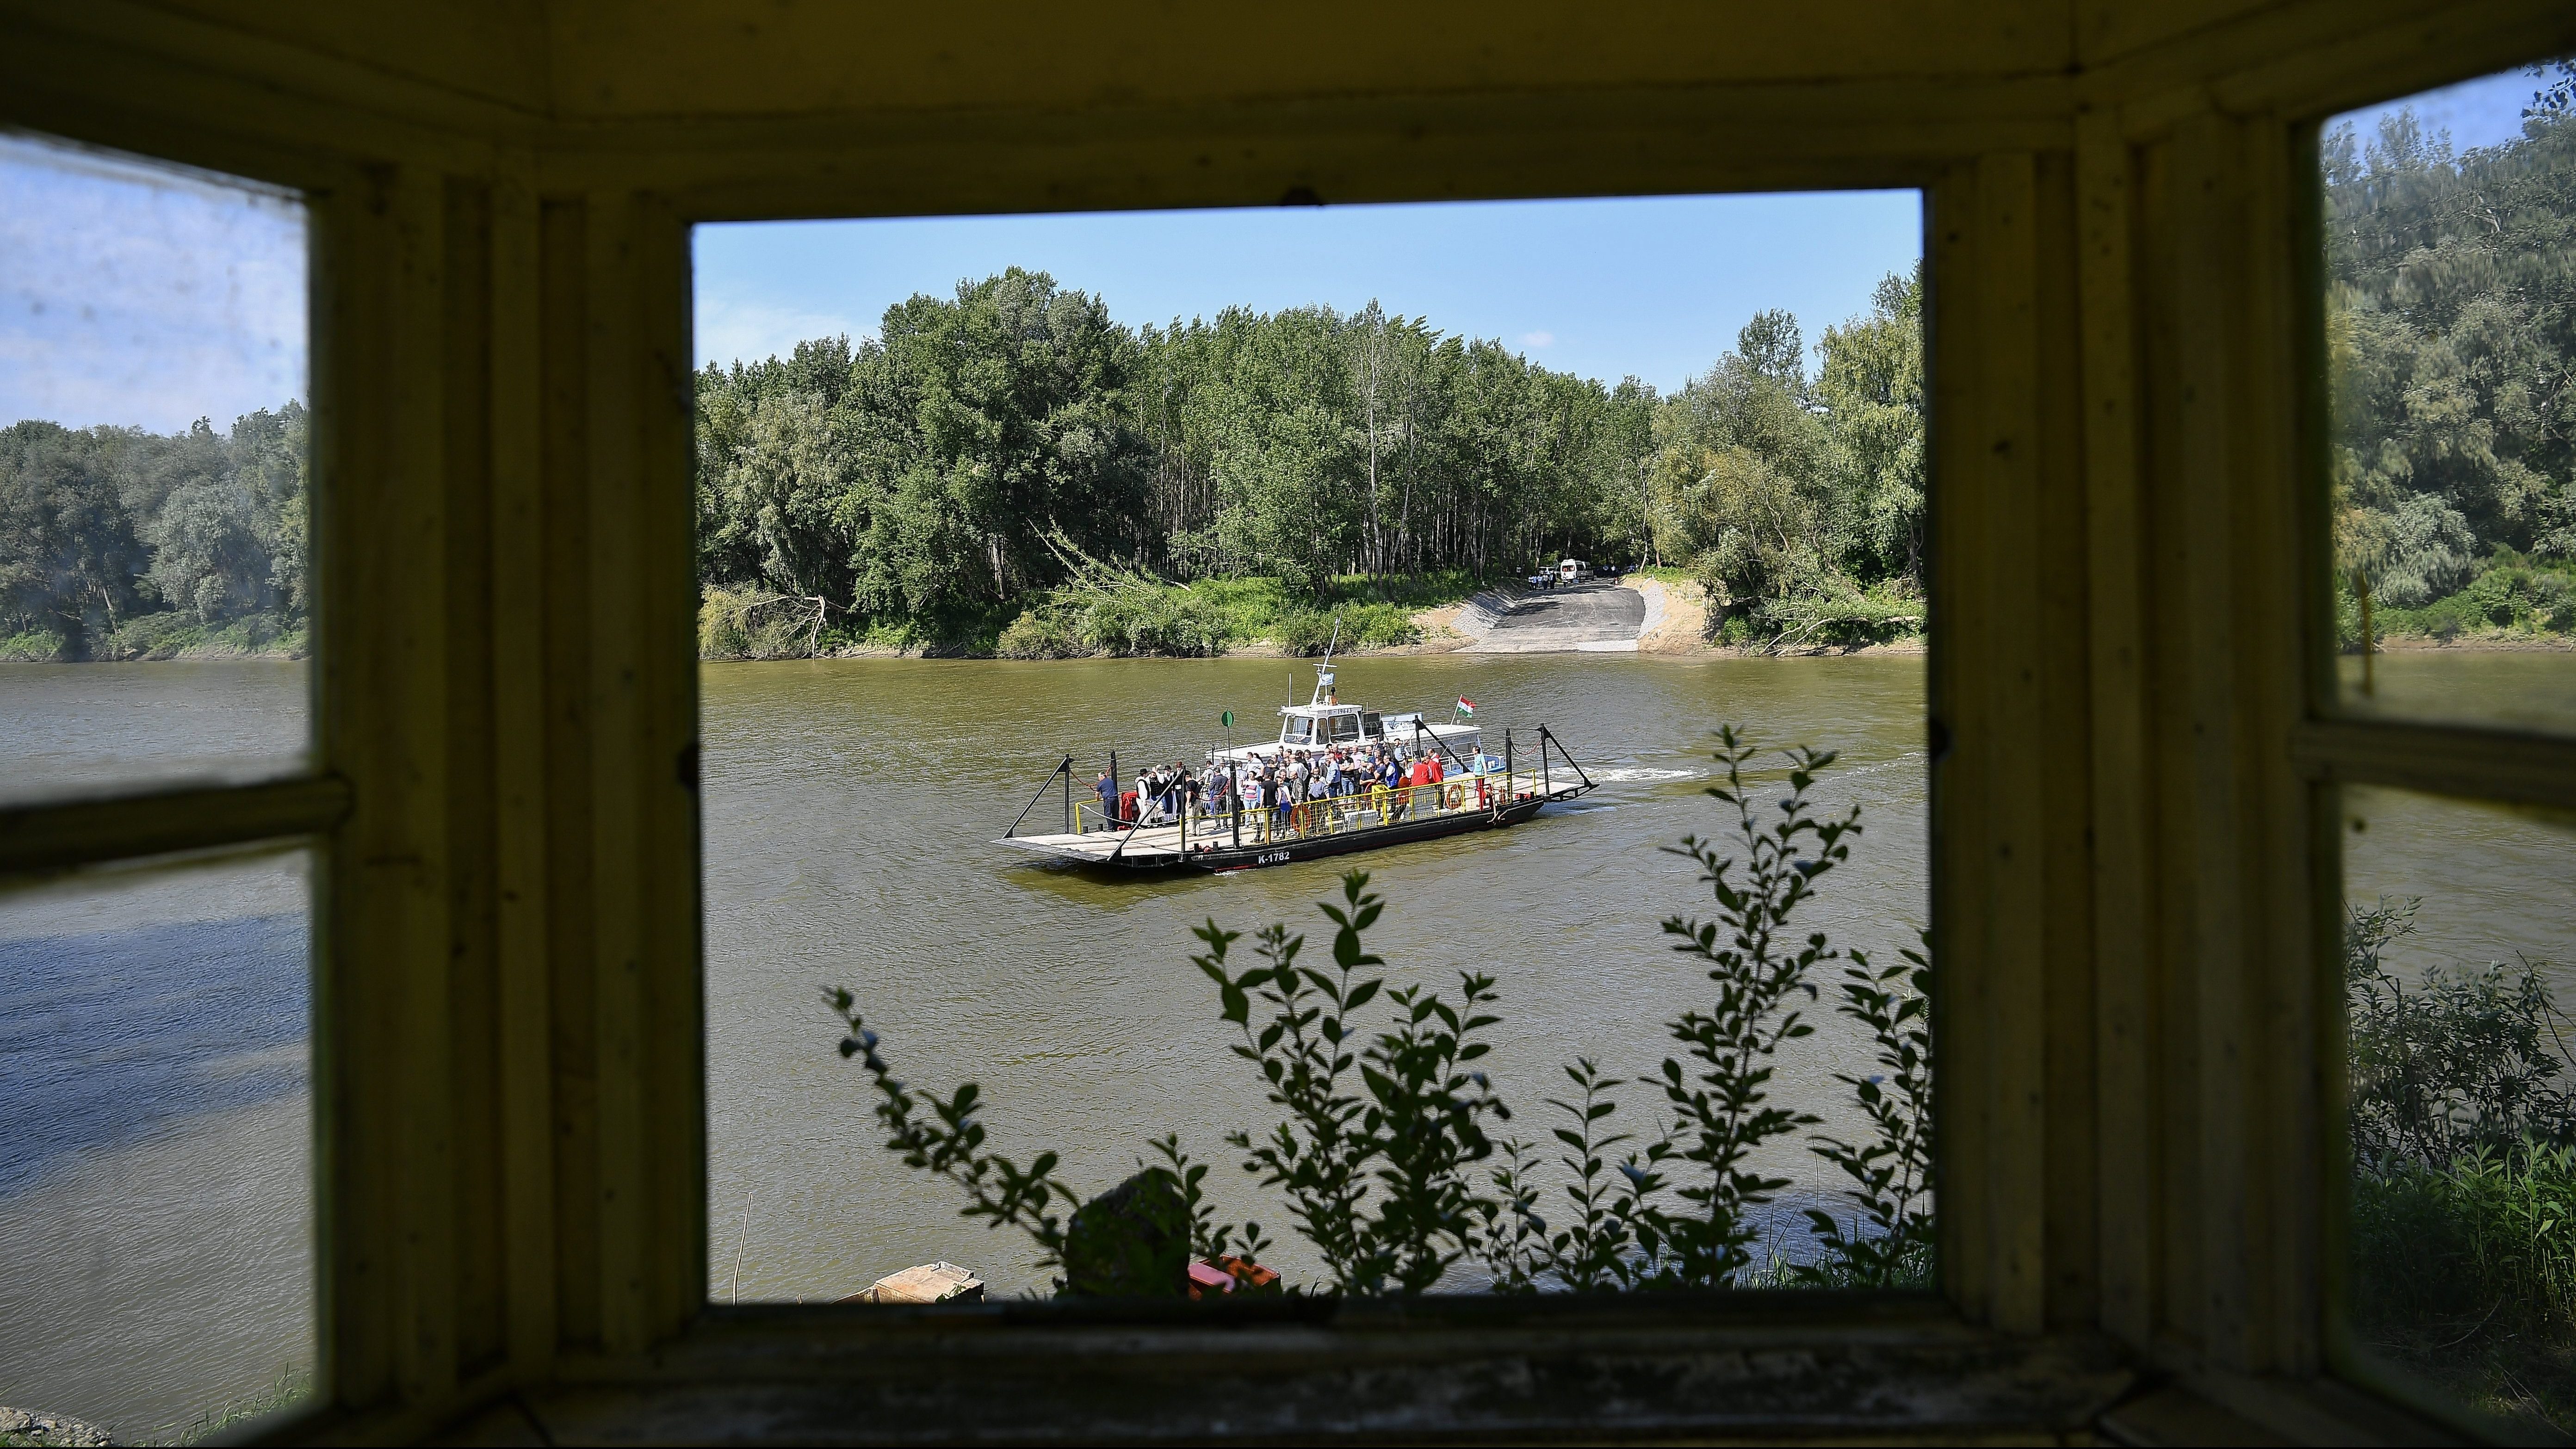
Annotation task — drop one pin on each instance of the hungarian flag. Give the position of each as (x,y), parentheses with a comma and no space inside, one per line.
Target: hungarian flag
(1466,707)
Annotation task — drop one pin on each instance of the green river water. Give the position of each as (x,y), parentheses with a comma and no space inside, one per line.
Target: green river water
(850,808)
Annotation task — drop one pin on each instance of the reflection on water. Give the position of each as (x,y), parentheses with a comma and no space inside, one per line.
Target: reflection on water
(79,728)
(112,1034)
(849,809)
(2496,884)
(156,1247)
(2527,688)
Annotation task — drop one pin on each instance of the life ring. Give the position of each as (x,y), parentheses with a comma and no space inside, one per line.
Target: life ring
(1457,796)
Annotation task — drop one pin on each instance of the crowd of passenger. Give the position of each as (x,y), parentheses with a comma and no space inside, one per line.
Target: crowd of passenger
(1295,793)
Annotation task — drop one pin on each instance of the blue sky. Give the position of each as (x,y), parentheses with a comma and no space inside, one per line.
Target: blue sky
(135,294)
(2481,112)
(1655,287)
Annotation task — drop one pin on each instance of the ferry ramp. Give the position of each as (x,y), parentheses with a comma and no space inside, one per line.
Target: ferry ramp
(1593,618)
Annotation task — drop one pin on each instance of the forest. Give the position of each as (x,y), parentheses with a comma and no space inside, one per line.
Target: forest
(1009,469)
(1012,469)
(117,543)
(2451,329)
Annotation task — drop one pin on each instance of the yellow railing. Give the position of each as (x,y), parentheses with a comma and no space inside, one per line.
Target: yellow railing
(1366,809)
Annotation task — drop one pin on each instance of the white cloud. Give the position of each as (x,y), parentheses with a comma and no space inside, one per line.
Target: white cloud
(133,295)
(733,329)
(1538,339)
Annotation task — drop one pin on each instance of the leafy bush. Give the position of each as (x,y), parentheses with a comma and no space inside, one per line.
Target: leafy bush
(753,623)
(1833,610)
(1382,1132)
(2464,1170)
(35,646)
(2462,1062)
(176,635)
(1040,634)
(1305,631)
(1374,1168)
(1166,621)
(2510,594)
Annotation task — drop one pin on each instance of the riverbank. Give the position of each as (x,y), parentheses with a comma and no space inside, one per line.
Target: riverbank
(157,637)
(1113,616)
(2496,641)
(1677,626)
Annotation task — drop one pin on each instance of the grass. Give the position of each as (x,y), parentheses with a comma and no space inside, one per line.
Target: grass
(1123,616)
(290,1388)
(35,646)
(2466,1274)
(181,636)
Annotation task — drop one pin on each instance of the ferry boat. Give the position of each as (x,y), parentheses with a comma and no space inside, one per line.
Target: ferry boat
(1480,790)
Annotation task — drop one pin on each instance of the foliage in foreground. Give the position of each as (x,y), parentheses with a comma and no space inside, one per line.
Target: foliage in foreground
(2464,1172)
(1386,1157)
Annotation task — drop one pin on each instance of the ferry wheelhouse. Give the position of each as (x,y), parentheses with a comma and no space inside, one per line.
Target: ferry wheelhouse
(1256,806)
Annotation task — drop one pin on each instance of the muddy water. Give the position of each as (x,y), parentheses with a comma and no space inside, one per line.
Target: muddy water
(850,807)
(155,1230)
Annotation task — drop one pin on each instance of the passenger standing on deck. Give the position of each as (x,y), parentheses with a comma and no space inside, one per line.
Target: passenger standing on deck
(1107,789)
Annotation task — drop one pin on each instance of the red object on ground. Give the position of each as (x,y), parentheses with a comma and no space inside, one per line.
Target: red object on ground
(1126,807)
(1225,1275)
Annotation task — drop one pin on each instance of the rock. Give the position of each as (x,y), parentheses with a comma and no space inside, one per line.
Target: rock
(927,1283)
(1132,1241)
(25,1426)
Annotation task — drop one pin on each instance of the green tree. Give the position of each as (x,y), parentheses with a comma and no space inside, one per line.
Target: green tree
(1869,387)
(2451,328)
(71,562)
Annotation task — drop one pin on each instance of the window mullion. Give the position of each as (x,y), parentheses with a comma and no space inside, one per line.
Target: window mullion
(2482,764)
(35,839)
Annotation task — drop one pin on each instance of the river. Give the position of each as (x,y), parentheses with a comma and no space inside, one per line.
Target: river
(850,807)
(154,1183)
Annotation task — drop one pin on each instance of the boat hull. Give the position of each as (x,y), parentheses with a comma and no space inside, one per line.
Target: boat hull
(1163,849)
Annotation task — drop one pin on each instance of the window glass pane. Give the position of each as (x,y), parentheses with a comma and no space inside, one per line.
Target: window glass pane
(2449,303)
(153,563)
(2460,961)
(156,1235)
(976,495)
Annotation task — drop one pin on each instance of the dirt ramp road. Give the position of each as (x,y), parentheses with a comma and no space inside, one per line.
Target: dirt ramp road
(1582,619)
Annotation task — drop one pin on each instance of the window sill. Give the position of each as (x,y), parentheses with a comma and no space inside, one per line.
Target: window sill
(1746,1365)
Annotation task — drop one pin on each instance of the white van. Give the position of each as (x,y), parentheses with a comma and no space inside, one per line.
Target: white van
(1572,571)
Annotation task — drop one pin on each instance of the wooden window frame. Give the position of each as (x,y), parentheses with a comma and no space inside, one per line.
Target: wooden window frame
(2133,856)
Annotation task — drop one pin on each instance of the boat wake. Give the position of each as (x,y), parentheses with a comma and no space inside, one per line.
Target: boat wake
(1638,772)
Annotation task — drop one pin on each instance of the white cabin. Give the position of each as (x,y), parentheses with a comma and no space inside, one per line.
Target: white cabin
(1304,728)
